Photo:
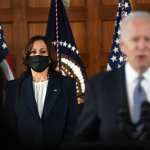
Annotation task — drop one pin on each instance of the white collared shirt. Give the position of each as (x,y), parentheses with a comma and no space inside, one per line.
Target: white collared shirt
(40,89)
(131,82)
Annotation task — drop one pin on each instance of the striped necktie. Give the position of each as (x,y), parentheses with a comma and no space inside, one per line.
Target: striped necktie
(139,96)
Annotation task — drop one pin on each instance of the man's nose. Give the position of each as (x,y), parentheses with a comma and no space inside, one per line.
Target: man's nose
(141,44)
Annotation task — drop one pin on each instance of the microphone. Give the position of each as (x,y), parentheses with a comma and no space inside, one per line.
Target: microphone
(144,123)
(139,131)
(145,112)
(125,125)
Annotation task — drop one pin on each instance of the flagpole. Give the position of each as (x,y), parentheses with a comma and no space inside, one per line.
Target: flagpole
(69,60)
(57,37)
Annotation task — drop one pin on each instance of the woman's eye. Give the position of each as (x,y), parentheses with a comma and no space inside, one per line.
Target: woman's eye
(33,52)
(42,52)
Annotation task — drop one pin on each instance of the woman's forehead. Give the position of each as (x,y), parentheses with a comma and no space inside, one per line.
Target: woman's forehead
(39,43)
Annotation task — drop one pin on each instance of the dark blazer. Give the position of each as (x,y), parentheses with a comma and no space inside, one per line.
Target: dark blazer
(2,87)
(3,134)
(59,113)
(105,110)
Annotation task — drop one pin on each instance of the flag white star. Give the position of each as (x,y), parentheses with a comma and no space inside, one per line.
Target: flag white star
(77,51)
(73,48)
(4,45)
(69,45)
(54,43)
(117,40)
(126,5)
(119,5)
(116,50)
(117,14)
(61,43)
(65,44)
(125,14)
(121,59)
(113,58)
(118,66)
(119,32)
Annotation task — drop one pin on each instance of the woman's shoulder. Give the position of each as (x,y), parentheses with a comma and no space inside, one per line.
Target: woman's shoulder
(67,78)
(15,82)
(11,86)
(64,78)
(12,82)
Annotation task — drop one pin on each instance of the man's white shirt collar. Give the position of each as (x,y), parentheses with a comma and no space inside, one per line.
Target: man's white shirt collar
(131,74)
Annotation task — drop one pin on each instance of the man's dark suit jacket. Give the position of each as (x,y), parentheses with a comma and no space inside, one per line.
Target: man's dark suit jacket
(59,112)
(101,118)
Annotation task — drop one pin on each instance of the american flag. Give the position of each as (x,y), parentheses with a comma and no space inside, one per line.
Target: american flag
(5,58)
(116,58)
(60,33)
(3,46)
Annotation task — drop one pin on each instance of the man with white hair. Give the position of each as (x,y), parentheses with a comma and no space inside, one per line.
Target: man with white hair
(116,102)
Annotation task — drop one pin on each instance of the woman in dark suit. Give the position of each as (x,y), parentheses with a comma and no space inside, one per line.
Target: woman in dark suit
(1,87)
(3,134)
(41,106)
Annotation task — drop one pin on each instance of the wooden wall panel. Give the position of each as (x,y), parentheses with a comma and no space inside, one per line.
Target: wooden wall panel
(5,3)
(5,11)
(39,3)
(142,1)
(45,3)
(77,3)
(107,14)
(8,34)
(36,29)
(109,2)
(92,23)
(19,33)
(108,29)
(79,32)
(106,42)
(94,36)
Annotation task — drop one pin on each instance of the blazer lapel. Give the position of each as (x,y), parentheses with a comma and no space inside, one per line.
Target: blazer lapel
(28,96)
(53,91)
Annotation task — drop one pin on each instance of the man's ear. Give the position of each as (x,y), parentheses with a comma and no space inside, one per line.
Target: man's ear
(122,47)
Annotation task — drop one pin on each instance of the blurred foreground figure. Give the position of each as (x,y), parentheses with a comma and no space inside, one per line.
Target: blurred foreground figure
(116,109)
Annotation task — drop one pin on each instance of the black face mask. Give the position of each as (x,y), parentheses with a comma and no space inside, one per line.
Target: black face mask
(38,63)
